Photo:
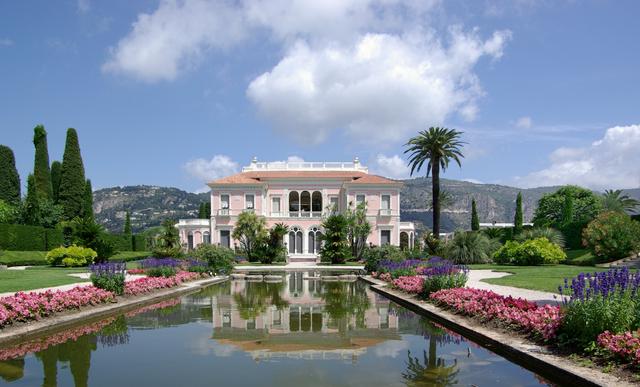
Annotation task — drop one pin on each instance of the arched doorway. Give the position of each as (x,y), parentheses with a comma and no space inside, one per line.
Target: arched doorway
(305,203)
(404,240)
(295,240)
(190,240)
(316,203)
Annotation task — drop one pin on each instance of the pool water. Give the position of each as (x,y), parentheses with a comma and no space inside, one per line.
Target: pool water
(296,332)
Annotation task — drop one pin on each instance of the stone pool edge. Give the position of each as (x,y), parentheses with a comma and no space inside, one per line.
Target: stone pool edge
(35,329)
(515,348)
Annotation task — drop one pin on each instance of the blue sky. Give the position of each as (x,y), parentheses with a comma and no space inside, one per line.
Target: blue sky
(177,92)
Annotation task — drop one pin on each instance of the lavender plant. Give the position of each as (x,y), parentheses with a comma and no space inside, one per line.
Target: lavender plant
(109,276)
(600,301)
(160,267)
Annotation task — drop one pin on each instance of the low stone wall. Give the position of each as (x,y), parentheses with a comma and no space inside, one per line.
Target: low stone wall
(517,349)
(32,330)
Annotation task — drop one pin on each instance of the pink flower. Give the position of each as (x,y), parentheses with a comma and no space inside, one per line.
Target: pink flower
(409,284)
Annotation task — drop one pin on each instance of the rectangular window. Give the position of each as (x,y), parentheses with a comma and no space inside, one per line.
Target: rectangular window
(360,199)
(275,206)
(333,201)
(385,237)
(224,202)
(225,238)
(386,202)
(248,199)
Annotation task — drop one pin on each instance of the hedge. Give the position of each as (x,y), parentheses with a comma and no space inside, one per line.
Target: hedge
(126,256)
(23,258)
(20,237)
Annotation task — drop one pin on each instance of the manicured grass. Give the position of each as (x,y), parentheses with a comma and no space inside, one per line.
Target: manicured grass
(126,256)
(545,278)
(36,277)
(581,257)
(22,258)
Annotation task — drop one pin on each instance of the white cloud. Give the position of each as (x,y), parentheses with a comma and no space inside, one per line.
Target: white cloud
(5,42)
(206,170)
(380,88)
(524,122)
(611,162)
(474,181)
(394,167)
(172,39)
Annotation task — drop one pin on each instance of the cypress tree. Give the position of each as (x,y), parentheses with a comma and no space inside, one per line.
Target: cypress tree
(127,224)
(31,209)
(87,204)
(41,169)
(518,218)
(475,222)
(201,211)
(55,179)
(72,181)
(9,178)
(567,210)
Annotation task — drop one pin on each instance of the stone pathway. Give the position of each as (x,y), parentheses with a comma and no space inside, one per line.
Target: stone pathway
(539,297)
(130,277)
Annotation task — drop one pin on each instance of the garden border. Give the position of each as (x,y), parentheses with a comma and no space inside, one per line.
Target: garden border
(522,352)
(33,330)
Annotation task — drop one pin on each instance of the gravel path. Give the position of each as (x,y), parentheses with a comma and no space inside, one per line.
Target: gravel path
(475,281)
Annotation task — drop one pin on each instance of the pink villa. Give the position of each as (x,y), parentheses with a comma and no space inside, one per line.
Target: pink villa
(299,194)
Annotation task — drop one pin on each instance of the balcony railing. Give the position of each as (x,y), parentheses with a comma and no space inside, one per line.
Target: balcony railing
(193,222)
(229,212)
(305,165)
(225,212)
(386,212)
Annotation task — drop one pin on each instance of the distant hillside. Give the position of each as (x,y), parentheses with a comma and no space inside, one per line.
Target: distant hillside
(149,205)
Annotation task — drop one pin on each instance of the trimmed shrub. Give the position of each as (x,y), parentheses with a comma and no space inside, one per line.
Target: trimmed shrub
(612,235)
(22,237)
(220,259)
(22,258)
(532,252)
(71,256)
(126,256)
(53,237)
(139,242)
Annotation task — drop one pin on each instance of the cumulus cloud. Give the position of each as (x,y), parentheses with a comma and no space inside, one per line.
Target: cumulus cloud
(380,88)
(173,39)
(394,166)
(611,162)
(524,122)
(206,170)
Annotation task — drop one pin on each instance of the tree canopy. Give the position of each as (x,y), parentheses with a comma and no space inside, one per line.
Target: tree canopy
(9,178)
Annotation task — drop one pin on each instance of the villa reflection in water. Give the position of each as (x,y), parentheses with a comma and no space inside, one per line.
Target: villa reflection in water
(302,316)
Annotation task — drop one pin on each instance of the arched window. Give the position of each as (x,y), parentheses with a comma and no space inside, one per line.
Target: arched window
(190,240)
(314,241)
(316,202)
(295,241)
(294,203)
(305,203)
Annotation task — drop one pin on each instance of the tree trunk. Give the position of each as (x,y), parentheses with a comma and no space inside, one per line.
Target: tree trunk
(435,192)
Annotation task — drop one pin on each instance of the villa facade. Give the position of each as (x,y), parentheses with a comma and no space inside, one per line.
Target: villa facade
(299,194)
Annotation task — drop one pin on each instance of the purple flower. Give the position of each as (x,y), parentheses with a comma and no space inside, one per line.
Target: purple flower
(150,263)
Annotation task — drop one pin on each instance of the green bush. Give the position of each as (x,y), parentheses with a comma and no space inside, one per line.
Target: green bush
(531,252)
(374,255)
(71,256)
(433,283)
(139,242)
(126,256)
(161,271)
(553,235)
(470,247)
(612,235)
(220,259)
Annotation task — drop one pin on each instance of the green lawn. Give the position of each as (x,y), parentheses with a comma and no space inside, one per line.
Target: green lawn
(545,278)
(36,277)
(127,256)
(581,257)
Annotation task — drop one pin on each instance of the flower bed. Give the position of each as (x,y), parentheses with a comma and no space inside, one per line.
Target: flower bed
(147,284)
(541,321)
(409,284)
(23,307)
(624,346)
(135,271)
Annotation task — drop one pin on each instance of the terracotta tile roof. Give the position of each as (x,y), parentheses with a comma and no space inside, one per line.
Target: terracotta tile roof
(256,177)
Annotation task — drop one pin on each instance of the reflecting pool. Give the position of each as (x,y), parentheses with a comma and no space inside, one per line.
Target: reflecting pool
(293,330)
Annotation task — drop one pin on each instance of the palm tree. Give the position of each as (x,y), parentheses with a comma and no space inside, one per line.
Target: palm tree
(614,200)
(437,147)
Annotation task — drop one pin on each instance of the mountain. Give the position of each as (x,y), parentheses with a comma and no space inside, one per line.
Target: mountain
(149,205)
